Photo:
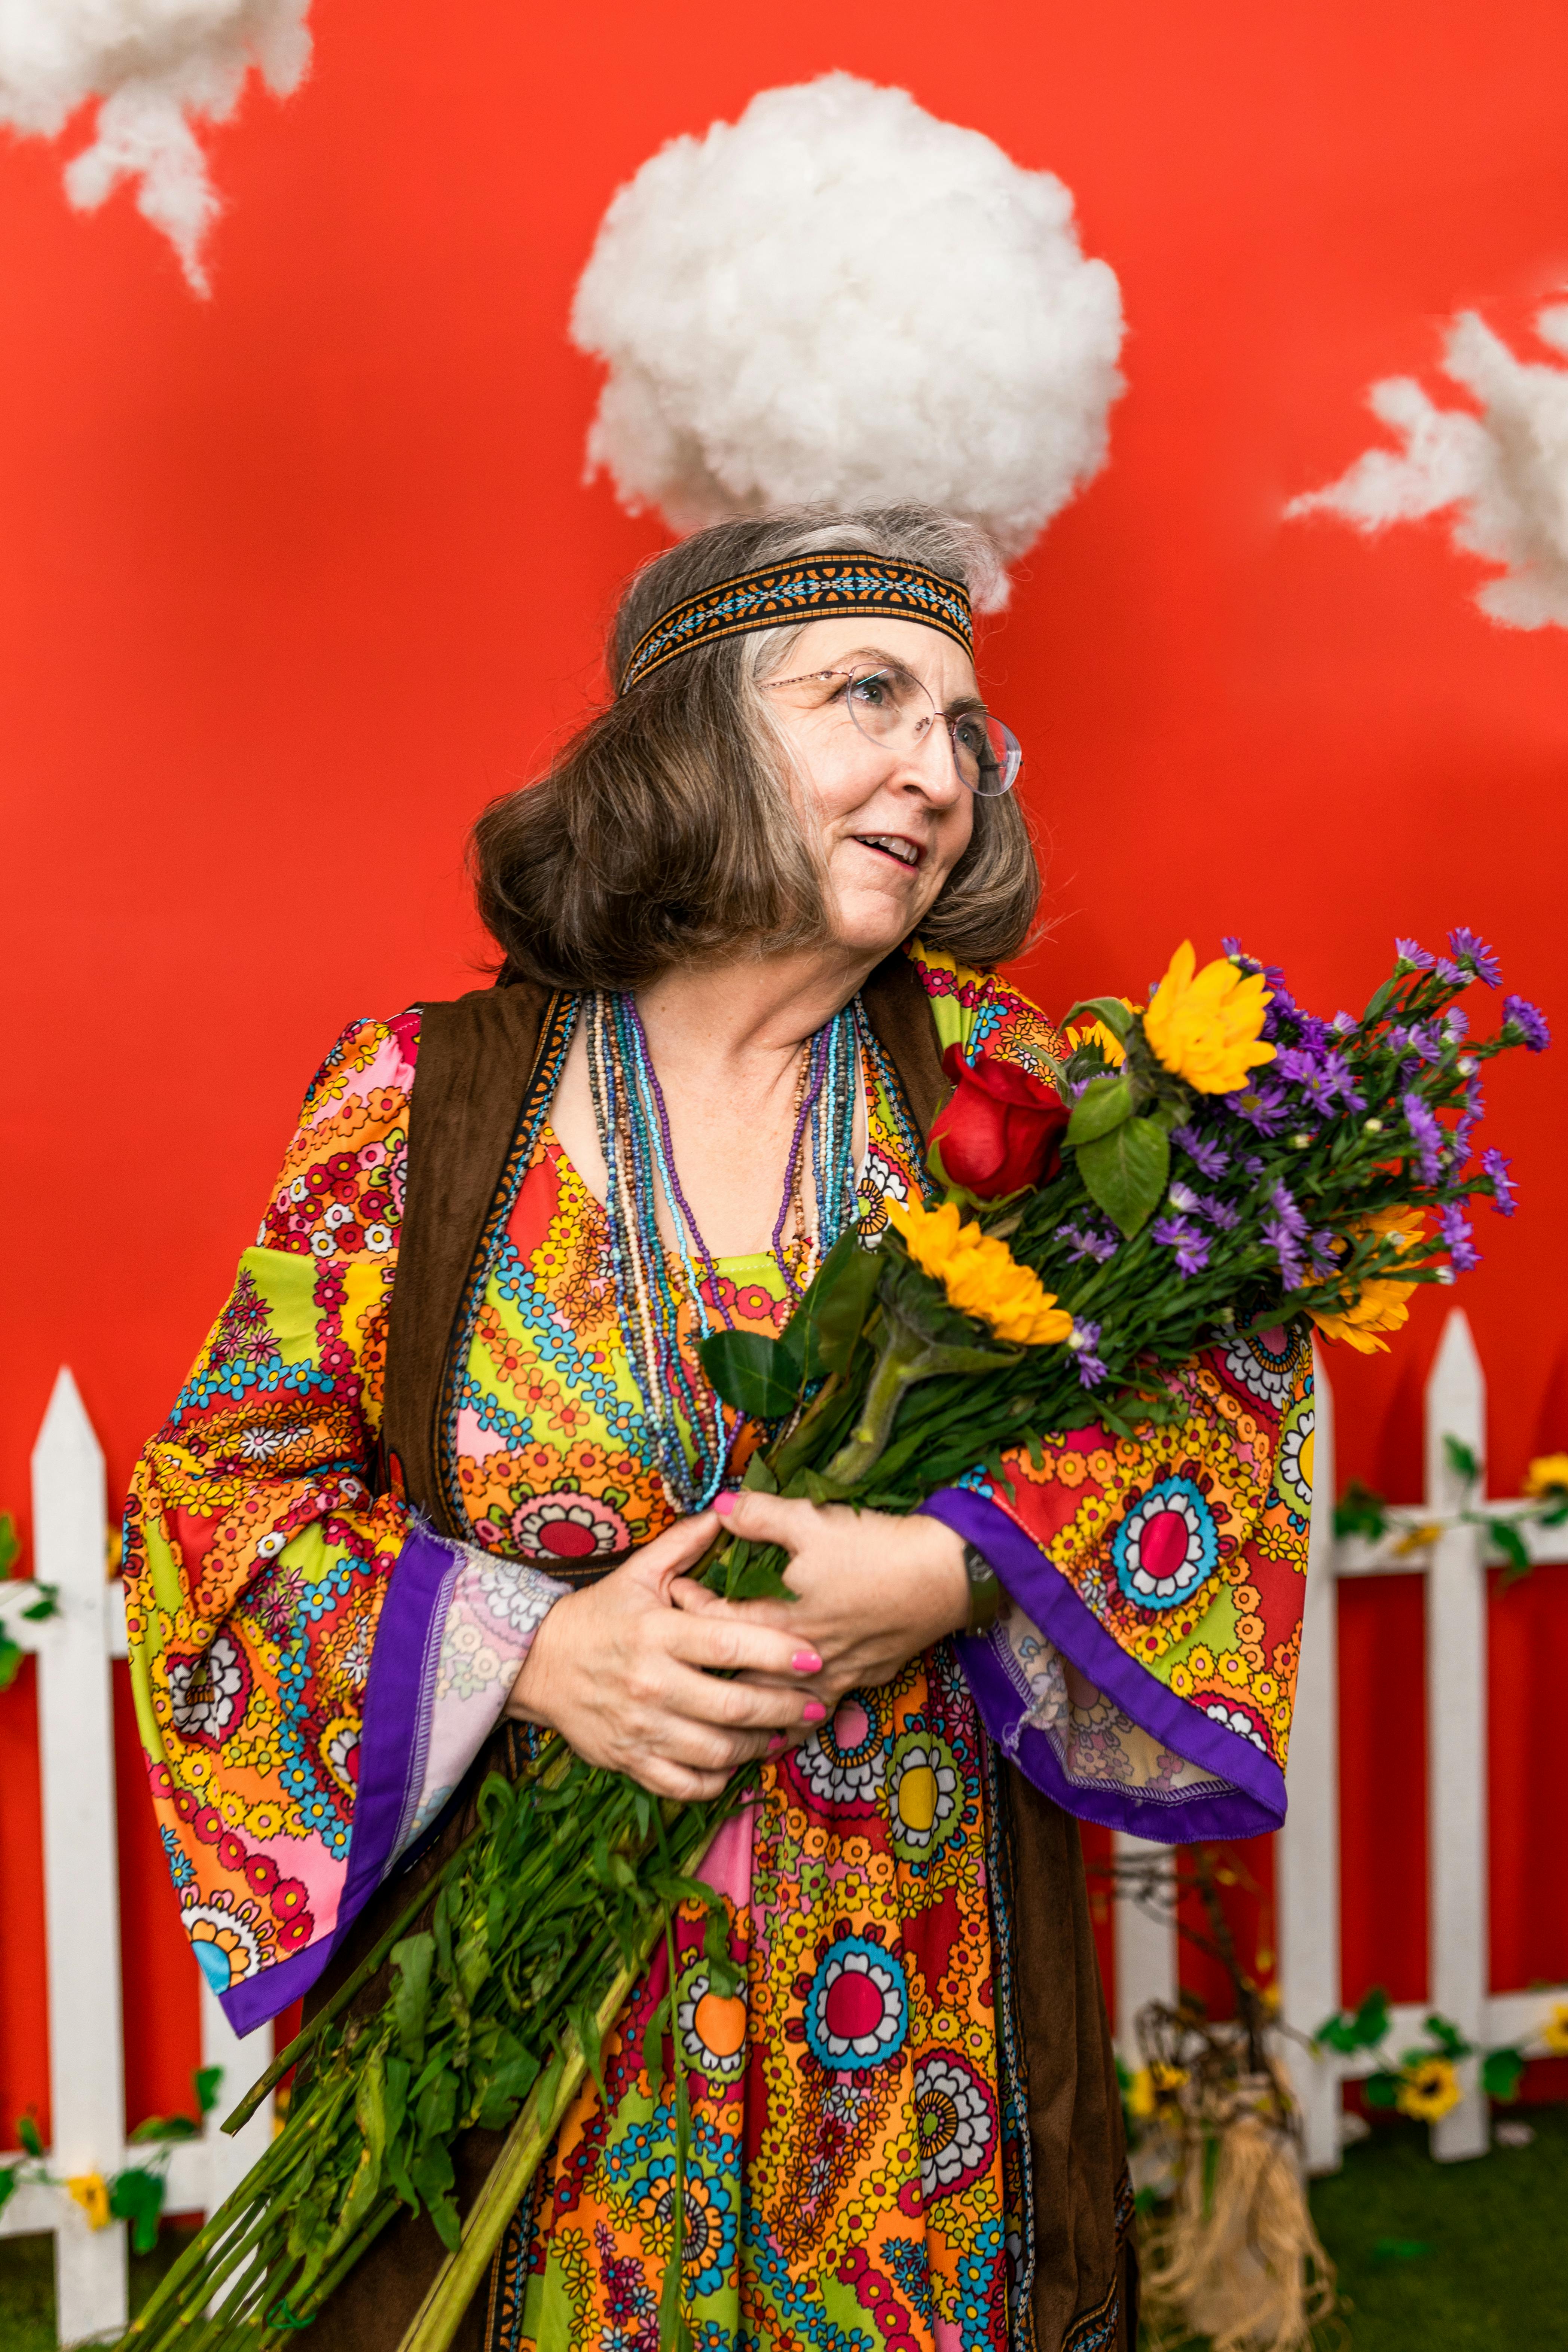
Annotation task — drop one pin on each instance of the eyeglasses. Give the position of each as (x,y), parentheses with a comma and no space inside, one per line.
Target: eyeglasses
(893,706)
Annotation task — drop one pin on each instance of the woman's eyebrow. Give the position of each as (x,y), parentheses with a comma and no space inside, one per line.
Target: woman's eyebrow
(896,661)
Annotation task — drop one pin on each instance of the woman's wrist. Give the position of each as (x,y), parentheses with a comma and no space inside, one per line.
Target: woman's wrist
(942,1557)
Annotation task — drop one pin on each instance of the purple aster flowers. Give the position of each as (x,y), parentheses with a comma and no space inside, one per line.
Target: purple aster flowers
(1458,1239)
(1098,1242)
(1207,1157)
(1412,952)
(1504,1190)
(1529,1020)
(1428,1136)
(1285,1232)
(1192,1247)
(1263,1107)
(1470,949)
(1085,1340)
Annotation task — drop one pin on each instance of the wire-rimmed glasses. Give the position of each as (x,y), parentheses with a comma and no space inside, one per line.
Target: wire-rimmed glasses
(892,706)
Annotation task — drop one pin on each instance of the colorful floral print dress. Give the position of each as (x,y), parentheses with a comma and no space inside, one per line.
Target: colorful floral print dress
(315,1670)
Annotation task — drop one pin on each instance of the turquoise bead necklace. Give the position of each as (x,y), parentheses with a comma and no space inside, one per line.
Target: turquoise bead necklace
(687,1422)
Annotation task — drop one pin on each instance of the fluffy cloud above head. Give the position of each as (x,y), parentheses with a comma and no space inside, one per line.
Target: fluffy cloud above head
(839,298)
(153,65)
(1500,471)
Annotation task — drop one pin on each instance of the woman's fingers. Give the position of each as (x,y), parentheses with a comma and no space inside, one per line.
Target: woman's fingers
(732,1642)
(768,1518)
(681,1545)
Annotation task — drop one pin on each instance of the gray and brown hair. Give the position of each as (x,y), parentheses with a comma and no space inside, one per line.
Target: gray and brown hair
(667,831)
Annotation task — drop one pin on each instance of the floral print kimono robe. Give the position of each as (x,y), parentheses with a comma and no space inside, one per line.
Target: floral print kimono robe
(315,1670)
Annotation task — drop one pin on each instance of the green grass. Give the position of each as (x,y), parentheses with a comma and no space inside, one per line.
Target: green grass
(1493,2277)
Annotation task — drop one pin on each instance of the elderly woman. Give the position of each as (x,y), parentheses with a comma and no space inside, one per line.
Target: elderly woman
(438,1472)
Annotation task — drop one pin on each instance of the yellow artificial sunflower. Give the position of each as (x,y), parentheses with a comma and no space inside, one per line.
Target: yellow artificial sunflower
(1554,2032)
(1547,1476)
(981,1275)
(1427,2089)
(91,2193)
(1381,1304)
(1206,1026)
(1095,1033)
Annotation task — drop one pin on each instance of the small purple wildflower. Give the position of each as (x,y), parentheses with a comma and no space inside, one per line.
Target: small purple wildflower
(1190,1246)
(1452,975)
(1344,1024)
(1504,1190)
(1412,952)
(1085,1340)
(1529,1020)
(1458,1239)
(1284,1245)
(1182,1197)
(1090,1241)
(1455,1025)
(1426,1042)
(1428,1134)
(1471,949)
(1252,1166)
(1283,1202)
(1207,1157)
(1262,1106)
(1219,1213)
(1324,1247)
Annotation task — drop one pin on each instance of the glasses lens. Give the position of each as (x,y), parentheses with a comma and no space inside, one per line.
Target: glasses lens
(887,702)
(988,755)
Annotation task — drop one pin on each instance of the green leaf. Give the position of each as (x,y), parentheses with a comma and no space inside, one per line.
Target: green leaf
(1462,1460)
(157,2129)
(209,2087)
(1108,1010)
(653,2046)
(1125,1172)
(411,1994)
(1103,1106)
(1501,2071)
(752,1373)
(1447,2035)
(46,1605)
(835,1306)
(28,2132)
(11,1657)
(1505,1537)
(1361,1512)
(10,1547)
(9,2175)
(1380,2090)
(136,2196)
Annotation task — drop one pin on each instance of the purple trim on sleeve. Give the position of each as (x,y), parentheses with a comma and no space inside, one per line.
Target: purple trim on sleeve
(1252,1804)
(392,1739)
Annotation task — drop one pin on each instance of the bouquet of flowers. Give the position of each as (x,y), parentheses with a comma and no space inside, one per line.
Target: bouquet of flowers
(1216,1163)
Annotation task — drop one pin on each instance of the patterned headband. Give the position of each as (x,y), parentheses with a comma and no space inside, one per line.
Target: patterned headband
(808,588)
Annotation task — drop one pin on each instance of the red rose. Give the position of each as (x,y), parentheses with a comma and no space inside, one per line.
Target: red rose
(1001,1130)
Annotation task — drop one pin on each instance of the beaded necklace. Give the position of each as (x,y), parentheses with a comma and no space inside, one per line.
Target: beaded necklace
(688,1423)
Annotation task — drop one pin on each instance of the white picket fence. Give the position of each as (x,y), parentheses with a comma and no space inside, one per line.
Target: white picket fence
(1307,1860)
(81,1899)
(81,1893)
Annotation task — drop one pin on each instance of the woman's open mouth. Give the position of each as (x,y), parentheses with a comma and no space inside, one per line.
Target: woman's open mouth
(893,845)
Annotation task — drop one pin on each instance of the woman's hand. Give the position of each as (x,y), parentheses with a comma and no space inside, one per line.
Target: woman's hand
(618,1673)
(873,1589)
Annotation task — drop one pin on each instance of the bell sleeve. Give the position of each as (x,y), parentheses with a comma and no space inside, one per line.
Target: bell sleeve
(314,1668)
(1142,1668)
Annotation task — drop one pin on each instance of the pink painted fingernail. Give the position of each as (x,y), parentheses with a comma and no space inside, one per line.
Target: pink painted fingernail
(776,1745)
(723,1505)
(806,1662)
(814,1711)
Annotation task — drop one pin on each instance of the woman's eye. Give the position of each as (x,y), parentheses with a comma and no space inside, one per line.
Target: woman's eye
(969,735)
(874,692)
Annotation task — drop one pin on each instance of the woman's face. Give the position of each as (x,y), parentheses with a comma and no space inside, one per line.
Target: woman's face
(893,816)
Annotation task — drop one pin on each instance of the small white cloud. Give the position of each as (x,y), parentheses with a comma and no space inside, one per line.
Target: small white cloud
(1502,472)
(154,66)
(841,299)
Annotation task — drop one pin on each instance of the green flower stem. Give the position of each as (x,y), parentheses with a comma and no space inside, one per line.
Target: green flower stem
(455,2284)
(904,1357)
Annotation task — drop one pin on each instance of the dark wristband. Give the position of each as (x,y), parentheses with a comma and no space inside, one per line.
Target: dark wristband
(984,1590)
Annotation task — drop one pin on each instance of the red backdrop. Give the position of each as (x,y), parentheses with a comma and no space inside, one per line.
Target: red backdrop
(291,582)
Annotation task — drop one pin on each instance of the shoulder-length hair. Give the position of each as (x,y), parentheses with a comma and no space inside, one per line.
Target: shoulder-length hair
(667,831)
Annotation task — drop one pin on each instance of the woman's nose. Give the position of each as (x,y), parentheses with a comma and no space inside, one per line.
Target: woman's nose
(926,764)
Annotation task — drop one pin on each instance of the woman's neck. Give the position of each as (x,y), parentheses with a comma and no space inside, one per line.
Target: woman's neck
(750,1014)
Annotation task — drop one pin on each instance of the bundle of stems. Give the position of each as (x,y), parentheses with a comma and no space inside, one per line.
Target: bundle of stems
(1306,1187)
(538,1927)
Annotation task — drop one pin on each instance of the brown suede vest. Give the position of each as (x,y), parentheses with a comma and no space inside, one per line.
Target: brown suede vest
(480,1060)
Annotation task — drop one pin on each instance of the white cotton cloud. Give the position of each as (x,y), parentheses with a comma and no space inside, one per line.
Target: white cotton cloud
(153,65)
(839,298)
(1502,473)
